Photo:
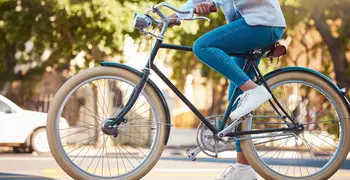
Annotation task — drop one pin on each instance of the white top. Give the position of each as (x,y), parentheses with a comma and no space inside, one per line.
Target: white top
(255,12)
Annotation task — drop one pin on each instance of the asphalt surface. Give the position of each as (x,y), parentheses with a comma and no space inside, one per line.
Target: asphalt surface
(170,167)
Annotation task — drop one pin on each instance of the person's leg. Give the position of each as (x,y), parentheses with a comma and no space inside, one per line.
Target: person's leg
(236,36)
(211,49)
(242,165)
(240,62)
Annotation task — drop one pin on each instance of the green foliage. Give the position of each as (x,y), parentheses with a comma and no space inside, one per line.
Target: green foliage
(332,20)
(297,11)
(98,27)
(59,28)
(37,34)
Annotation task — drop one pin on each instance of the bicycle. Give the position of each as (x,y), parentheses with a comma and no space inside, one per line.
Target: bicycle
(284,132)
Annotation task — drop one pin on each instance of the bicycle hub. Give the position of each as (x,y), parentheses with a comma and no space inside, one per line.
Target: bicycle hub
(109,128)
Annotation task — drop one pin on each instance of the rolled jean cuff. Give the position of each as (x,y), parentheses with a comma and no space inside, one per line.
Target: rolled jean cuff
(242,80)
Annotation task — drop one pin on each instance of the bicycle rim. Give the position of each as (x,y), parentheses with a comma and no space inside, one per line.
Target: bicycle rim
(94,153)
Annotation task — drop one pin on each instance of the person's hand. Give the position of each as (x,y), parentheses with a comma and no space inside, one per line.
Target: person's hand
(203,8)
(173,20)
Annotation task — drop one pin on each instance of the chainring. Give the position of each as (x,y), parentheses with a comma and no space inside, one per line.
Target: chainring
(208,143)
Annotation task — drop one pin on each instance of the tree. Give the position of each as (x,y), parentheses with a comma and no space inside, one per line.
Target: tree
(50,33)
(331,19)
(38,34)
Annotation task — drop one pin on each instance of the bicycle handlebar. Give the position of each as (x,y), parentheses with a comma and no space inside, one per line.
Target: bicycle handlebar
(164,4)
(142,21)
(190,12)
(212,8)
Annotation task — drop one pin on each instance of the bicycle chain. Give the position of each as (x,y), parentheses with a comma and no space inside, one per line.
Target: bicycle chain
(271,140)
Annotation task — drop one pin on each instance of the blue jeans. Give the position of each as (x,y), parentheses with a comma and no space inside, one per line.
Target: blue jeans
(235,37)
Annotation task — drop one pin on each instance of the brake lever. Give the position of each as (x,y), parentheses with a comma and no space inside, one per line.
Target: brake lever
(192,12)
(199,18)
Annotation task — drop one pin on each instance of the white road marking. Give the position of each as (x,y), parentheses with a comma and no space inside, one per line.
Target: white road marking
(27,159)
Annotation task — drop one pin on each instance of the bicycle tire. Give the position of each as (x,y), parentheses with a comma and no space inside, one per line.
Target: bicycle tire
(55,145)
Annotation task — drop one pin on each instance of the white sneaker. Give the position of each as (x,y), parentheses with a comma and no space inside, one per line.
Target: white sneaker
(233,173)
(249,101)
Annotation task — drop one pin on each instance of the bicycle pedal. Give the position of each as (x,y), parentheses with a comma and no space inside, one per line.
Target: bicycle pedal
(191,154)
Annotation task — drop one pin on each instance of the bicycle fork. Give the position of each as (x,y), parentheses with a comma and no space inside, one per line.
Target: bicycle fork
(110,125)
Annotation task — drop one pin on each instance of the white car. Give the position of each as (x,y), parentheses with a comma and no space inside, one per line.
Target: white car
(22,129)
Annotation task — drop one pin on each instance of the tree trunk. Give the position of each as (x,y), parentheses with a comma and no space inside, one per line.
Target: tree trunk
(336,50)
(221,107)
(95,97)
(217,106)
(8,72)
(212,109)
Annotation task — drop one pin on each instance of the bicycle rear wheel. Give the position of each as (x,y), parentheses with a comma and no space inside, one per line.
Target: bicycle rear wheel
(319,150)
(75,137)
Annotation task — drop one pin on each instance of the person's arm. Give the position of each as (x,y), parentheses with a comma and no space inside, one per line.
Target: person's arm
(187,6)
(191,5)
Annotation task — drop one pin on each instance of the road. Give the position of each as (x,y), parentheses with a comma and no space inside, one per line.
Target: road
(171,167)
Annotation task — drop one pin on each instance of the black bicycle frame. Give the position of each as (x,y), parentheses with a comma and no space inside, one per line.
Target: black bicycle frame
(249,63)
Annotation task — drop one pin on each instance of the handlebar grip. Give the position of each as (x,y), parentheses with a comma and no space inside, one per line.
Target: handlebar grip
(212,9)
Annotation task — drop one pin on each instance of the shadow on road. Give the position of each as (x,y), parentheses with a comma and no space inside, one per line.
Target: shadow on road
(4,176)
(286,162)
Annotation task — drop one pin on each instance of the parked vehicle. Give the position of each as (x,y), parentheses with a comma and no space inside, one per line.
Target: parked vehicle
(23,130)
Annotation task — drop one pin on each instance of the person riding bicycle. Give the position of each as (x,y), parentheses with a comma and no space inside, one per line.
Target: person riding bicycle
(251,24)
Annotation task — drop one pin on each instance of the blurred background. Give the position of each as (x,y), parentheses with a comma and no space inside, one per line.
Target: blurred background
(45,42)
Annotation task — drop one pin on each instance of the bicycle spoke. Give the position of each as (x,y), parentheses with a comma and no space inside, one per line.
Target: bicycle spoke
(103,147)
(109,167)
(317,146)
(93,158)
(323,140)
(98,102)
(125,156)
(77,132)
(326,136)
(75,127)
(116,156)
(85,156)
(91,113)
(82,146)
(79,140)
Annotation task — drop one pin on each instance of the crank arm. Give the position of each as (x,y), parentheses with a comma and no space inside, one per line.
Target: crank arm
(229,128)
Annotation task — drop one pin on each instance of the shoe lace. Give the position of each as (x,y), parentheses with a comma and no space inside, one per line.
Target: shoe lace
(228,172)
(241,99)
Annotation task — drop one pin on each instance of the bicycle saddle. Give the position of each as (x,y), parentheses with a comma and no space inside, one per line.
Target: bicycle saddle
(276,50)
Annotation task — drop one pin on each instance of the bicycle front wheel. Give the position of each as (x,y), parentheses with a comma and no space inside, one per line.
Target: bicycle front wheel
(77,141)
(319,149)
